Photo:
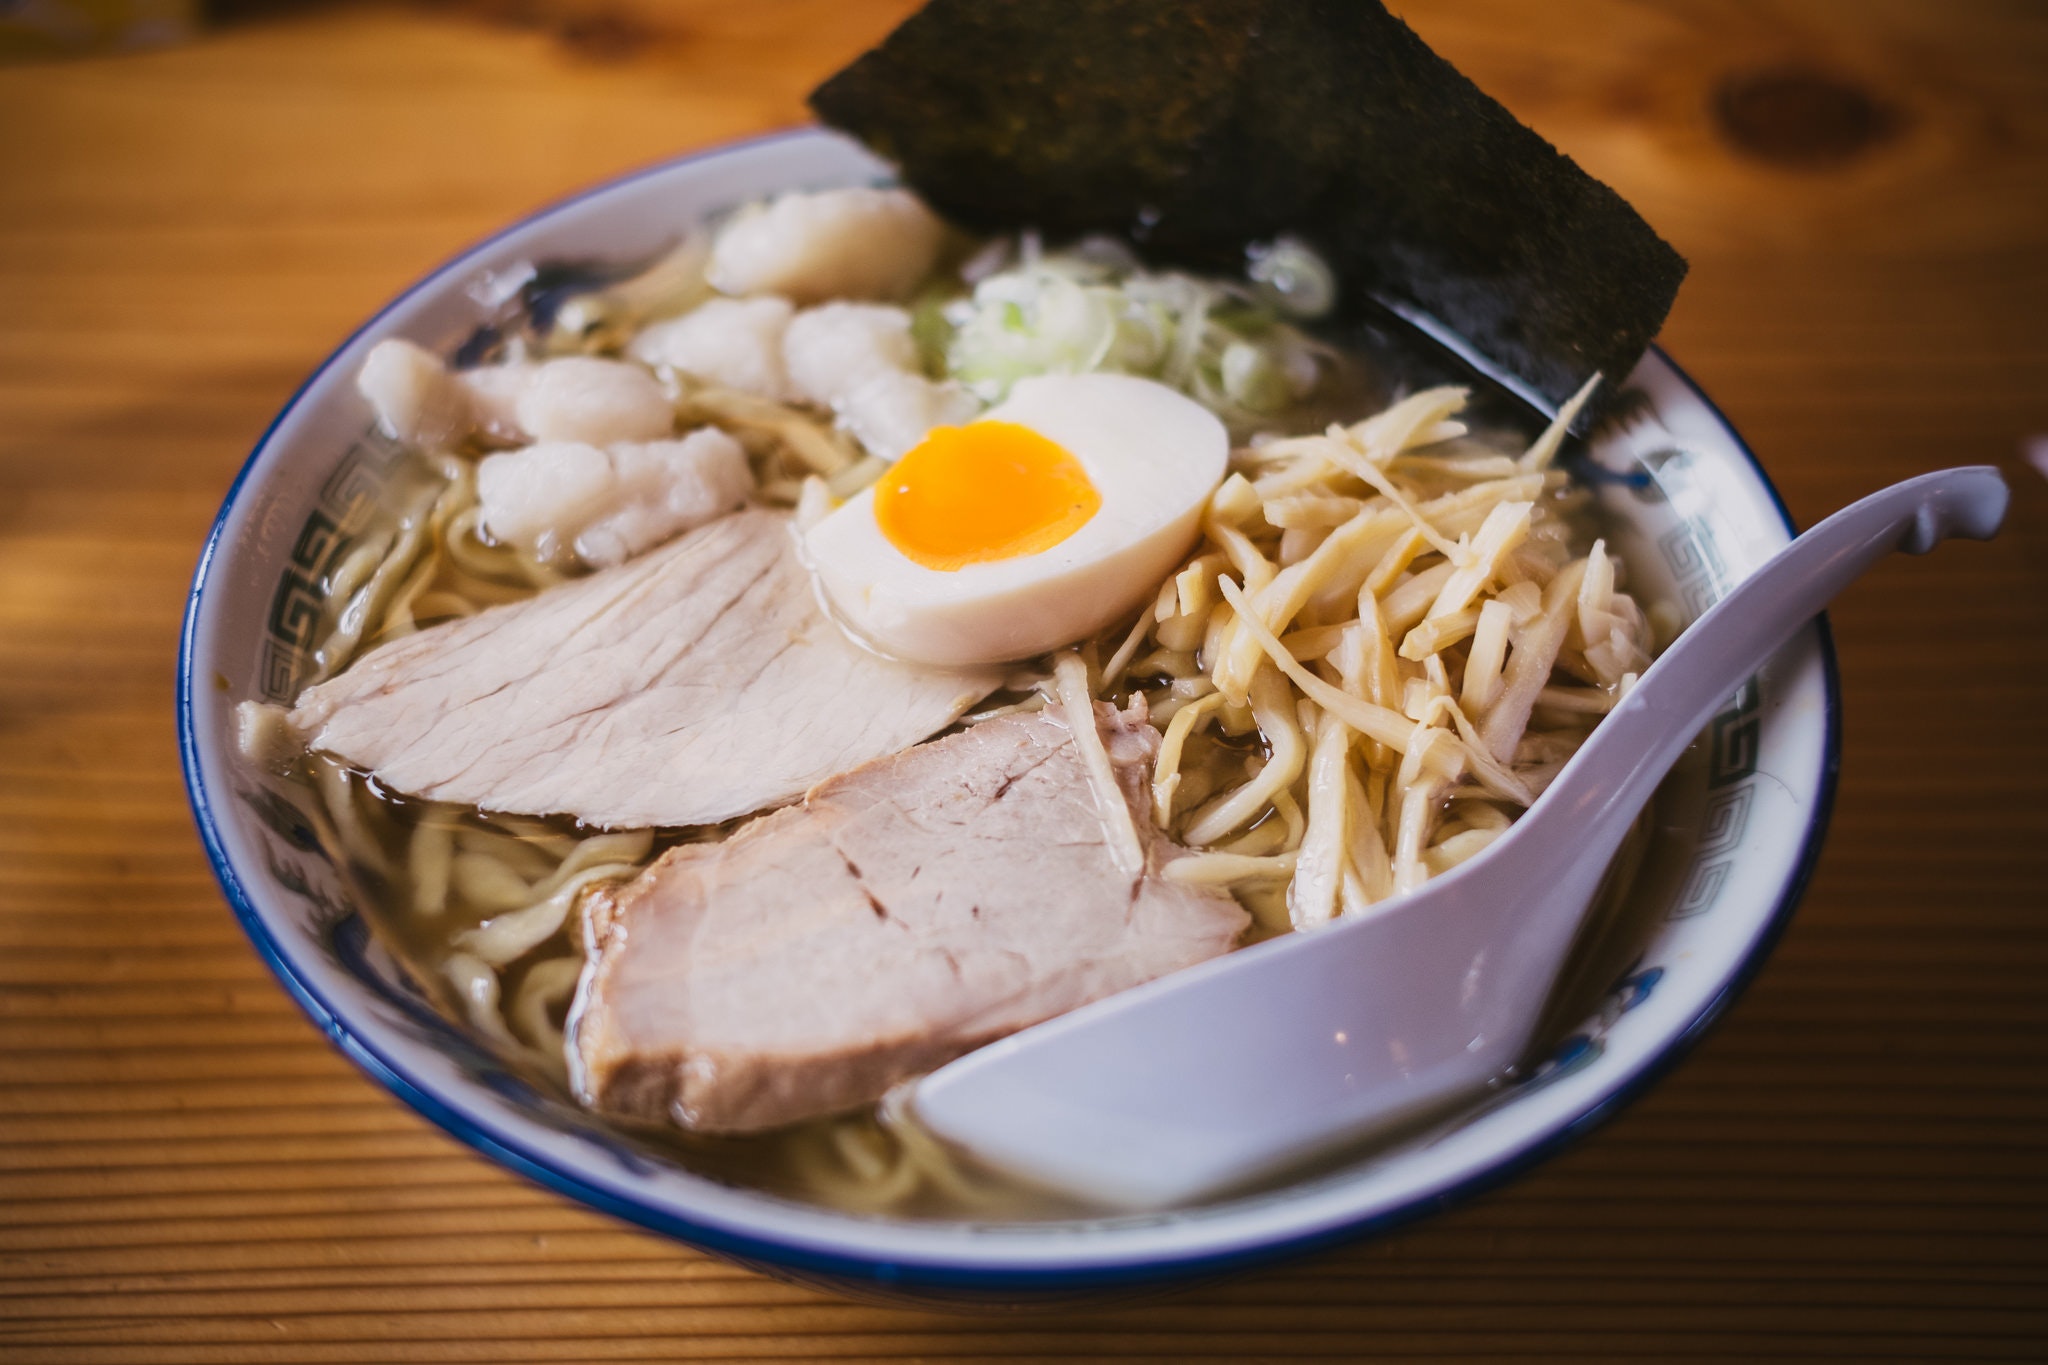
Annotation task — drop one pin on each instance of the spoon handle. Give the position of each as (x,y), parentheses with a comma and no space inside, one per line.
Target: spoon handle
(1629,752)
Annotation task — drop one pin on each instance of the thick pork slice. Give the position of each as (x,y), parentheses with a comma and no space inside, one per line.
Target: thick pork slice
(698,682)
(906,913)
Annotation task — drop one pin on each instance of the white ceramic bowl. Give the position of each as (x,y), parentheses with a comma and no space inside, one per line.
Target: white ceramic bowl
(1740,828)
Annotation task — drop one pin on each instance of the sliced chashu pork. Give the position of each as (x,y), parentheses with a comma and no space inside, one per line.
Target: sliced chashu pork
(693,684)
(906,913)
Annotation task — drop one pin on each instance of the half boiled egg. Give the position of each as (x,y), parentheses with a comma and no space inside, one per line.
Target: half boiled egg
(1031,527)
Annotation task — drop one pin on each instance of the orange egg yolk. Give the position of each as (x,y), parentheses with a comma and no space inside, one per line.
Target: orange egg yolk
(980,493)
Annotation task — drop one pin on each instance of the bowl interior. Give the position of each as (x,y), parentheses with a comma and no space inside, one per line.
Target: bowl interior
(1737,825)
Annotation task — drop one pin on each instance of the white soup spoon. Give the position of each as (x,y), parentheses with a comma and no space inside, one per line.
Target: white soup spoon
(1243,1067)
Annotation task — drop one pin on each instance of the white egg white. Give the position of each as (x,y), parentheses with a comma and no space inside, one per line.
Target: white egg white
(1152,454)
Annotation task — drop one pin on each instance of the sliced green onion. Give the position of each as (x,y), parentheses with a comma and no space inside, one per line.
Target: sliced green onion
(1292,277)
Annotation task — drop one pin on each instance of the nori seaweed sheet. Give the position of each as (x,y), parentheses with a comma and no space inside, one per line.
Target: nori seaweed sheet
(1196,127)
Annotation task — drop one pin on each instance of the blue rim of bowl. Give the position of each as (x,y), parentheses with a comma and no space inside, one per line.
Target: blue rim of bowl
(901,1273)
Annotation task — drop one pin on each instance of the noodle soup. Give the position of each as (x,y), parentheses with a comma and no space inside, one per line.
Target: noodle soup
(1341,711)
(1671,487)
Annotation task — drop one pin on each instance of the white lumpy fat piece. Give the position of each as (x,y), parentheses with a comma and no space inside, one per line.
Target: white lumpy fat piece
(420,401)
(607,505)
(856,243)
(833,349)
(860,360)
(579,398)
(666,487)
(733,343)
(493,393)
(892,412)
(415,398)
(539,497)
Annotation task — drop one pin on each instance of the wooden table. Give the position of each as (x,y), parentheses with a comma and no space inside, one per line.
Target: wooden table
(1851,1166)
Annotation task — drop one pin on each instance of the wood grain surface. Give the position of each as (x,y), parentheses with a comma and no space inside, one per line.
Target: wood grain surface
(1853,1165)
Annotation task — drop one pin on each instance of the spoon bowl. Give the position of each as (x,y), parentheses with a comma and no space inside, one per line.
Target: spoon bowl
(1230,1072)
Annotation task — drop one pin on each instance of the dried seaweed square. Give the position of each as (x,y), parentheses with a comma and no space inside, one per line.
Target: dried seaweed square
(1198,127)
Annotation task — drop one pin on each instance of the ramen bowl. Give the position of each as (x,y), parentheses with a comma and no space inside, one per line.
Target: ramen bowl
(1732,838)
